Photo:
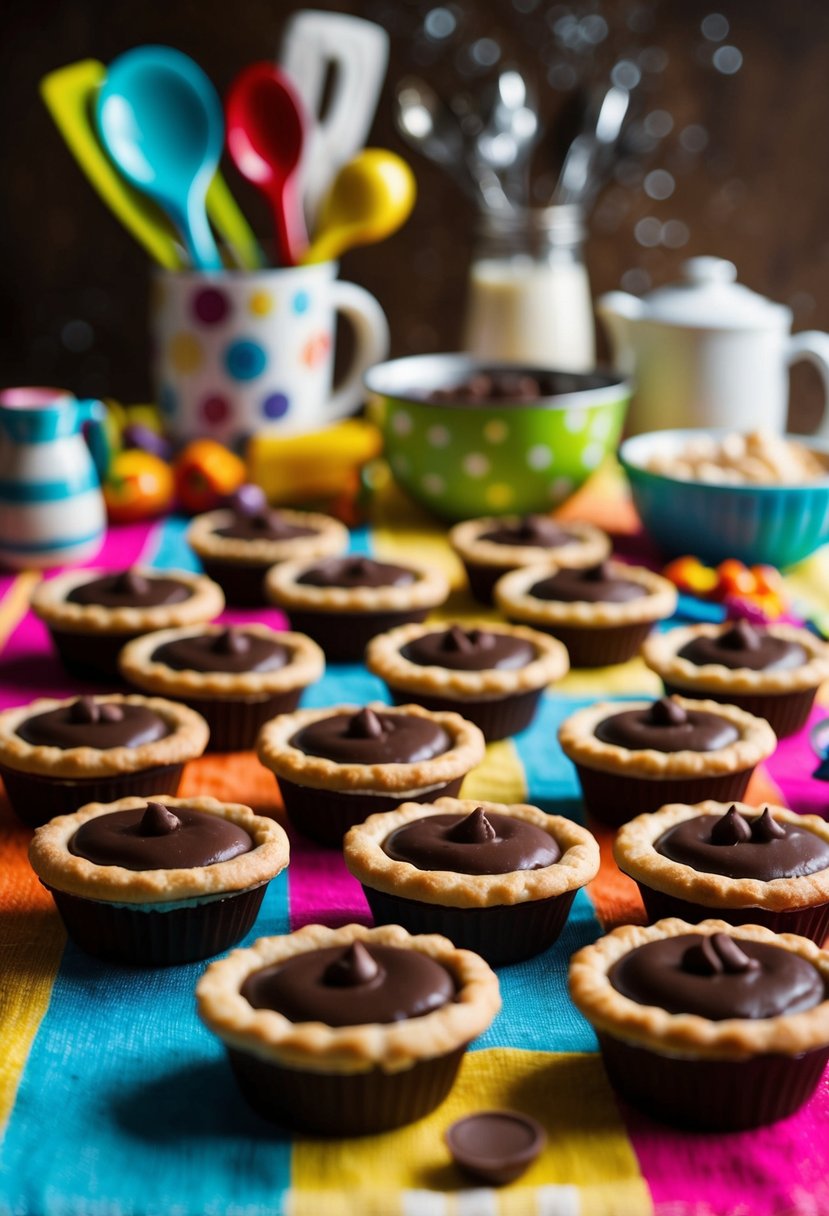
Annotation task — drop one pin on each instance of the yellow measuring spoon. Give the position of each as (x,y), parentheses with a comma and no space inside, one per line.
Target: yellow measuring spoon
(370,198)
(69,94)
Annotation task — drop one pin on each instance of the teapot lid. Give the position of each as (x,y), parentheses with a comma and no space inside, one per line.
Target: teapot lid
(709,296)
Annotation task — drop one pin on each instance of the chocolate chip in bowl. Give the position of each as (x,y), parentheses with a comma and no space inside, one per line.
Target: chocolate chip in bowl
(469,438)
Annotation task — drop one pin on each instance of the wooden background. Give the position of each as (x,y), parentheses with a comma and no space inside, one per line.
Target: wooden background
(747,153)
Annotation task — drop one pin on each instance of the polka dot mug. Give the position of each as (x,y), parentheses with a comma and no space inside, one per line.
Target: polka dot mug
(238,352)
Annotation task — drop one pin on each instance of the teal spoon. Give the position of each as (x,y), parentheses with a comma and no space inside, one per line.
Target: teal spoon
(160,120)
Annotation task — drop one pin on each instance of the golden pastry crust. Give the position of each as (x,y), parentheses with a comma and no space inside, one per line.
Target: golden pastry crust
(579,743)
(660,653)
(49,602)
(306,665)
(57,867)
(316,1047)
(637,857)
(384,658)
(330,539)
(430,589)
(276,752)
(370,865)
(512,595)
(591,545)
(187,740)
(687,1033)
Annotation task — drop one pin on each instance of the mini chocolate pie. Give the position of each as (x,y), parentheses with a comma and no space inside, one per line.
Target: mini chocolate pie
(707,1026)
(170,880)
(633,757)
(495,1146)
(237,676)
(493,674)
(602,613)
(336,766)
(491,547)
(58,755)
(92,614)
(773,671)
(238,544)
(495,879)
(761,867)
(350,1031)
(342,602)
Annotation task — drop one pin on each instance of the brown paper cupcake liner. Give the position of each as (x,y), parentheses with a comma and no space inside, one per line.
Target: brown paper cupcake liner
(807,922)
(614,798)
(92,656)
(337,1104)
(712,1095)
(604,647)
(36,799)
(325,816)
(242,582)
(344,636)
(497,719)
(502,934)
(121,934)
(785,712)
(234,723)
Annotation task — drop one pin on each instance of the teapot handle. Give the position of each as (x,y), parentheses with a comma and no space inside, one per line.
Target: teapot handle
(813,346)
(91,415)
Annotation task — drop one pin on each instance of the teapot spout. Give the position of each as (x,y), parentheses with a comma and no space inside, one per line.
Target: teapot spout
(619,311)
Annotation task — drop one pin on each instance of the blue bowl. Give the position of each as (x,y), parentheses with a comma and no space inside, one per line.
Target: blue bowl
(773,525)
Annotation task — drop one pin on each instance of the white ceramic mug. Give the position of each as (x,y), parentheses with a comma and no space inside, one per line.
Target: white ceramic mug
(238,352)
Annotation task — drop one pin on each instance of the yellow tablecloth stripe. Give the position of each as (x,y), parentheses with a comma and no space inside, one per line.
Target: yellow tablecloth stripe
(32,932)
(567,1093)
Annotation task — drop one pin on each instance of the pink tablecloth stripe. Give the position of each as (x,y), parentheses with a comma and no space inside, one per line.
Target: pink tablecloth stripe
(782,1170)
(29,667)
(791,768)
(321,890)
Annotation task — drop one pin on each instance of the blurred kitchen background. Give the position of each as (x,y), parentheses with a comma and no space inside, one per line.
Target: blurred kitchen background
(726,156)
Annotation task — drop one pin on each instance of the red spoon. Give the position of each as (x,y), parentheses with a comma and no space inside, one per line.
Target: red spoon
(266,130)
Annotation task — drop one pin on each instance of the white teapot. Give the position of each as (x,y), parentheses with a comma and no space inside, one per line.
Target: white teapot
(708,352)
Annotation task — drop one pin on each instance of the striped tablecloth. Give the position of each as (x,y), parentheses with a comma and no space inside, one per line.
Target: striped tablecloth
(115,1101)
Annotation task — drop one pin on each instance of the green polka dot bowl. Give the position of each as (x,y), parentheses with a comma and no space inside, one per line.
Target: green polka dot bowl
(461,459)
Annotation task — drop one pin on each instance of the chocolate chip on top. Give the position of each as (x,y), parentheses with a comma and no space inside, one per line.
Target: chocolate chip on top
(741,636)
(85,709)
(355,966)
(109,712)
(475,828)
(717,955)
(231,641)
(766,828)
(365,725)
(731,829)
(130,582)
(248,500)
(158,820)
(743,846)
(666,712)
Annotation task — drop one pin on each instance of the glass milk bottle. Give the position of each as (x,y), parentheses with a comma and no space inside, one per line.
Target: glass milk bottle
(529,294)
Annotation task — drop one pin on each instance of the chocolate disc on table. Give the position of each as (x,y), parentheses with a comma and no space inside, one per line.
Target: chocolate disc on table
(495,1146)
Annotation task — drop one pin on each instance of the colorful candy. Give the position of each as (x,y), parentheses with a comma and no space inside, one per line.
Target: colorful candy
(139,485)
(206,472)
(756,593)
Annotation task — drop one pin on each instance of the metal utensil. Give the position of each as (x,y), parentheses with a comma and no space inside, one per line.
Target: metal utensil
(509,133)
(581,174)
(432,128)
(266,129)
(352,54)
(161,122)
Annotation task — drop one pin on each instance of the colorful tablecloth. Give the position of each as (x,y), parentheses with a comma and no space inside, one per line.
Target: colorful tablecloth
(114,1101)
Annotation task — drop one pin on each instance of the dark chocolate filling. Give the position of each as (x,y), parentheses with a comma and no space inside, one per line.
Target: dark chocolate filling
(356,572)
(719,977)
(353,986)
(739,846)
(233,651)
(469,650)
(666,727)
(742,646)
(263,525)
(158,837)
(129,589)
(478,843)
(90,723)
(367,737)
(594,585)
(537,530)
